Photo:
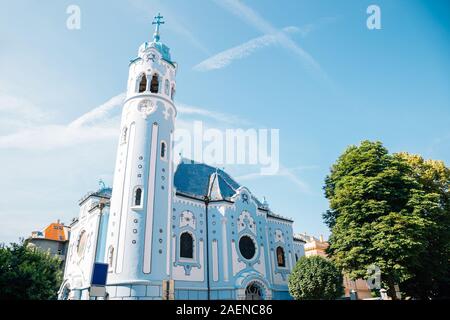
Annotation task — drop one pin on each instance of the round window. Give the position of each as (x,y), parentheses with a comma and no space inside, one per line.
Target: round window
(247,247)
(81,243)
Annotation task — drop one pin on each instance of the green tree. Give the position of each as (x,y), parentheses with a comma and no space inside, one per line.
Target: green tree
(432,276)
(28,273)
(315,278)
(379,215)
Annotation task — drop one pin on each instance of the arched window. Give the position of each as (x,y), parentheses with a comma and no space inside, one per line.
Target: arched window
(154,84)
(163,150)
(166,87)
(137,197)
(172,94)
(186,246)
(143,84)
(110,256)
(296,257)
(82,241)
(280,257)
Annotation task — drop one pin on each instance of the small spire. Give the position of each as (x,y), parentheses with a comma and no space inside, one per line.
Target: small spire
(265,203)
(158,22)
(102,184)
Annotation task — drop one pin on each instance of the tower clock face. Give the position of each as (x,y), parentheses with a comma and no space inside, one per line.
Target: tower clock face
(146,107)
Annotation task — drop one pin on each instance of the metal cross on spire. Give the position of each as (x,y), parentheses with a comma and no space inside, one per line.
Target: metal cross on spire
(158,22)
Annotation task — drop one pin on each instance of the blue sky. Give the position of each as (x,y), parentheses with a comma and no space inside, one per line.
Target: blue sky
(326,82)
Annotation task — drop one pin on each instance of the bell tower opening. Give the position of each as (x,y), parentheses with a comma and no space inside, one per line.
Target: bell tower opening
(143,84)
(154,84)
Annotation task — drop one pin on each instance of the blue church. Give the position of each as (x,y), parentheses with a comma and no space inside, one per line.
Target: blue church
(169,230)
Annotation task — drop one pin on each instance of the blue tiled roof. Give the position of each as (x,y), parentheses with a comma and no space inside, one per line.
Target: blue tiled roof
(192,178)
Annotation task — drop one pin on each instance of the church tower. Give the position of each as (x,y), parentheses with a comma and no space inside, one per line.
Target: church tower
(138,240)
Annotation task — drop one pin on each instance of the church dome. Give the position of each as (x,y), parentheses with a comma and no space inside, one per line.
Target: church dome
(160,47)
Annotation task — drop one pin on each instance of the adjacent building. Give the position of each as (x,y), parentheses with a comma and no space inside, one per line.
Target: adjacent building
(53,239)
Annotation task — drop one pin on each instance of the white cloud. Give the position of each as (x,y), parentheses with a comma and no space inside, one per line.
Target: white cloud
(19,112)
(251,17)
(101,112)
(82,130)
(99,124)
(224,58)
(55,136)
(18,106)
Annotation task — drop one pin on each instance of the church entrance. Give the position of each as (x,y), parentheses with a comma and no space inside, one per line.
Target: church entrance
(253,292)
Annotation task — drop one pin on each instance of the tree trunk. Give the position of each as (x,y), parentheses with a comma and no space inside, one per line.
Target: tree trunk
(391,290)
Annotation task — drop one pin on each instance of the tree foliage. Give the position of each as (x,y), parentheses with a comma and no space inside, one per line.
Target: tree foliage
(315,278)
(432,275)
(28,273)
(389,211)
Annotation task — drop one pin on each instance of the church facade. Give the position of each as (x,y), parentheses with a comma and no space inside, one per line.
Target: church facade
(174,231)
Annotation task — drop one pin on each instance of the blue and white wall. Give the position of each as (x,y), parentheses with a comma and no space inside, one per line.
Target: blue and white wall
(229,271)
(86,246)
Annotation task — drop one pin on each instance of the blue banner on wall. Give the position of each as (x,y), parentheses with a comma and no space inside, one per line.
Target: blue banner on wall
(99,274)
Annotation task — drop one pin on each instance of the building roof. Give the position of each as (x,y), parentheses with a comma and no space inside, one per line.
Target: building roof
(309,238)
(194,179)
(55,231)
(297,238)
(197,180)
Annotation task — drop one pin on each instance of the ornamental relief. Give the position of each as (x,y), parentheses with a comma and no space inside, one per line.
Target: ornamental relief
(150,57)
(245,221)
(279,236)
(187,218)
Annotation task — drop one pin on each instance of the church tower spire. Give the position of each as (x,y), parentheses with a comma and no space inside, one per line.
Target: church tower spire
(157,21)
(138,242)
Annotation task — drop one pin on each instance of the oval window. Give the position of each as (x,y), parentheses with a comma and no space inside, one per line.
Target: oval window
(247,247)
